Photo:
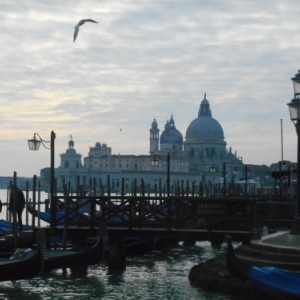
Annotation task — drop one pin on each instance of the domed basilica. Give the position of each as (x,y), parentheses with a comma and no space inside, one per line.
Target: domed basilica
(204,146)
(202,156)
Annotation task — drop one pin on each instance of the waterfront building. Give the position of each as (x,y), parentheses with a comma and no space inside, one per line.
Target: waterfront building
(202,157)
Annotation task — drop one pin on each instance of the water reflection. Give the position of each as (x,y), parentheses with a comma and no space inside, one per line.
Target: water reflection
(115,277)
(158,275)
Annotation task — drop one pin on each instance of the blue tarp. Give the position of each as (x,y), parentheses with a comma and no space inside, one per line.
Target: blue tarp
(276,281)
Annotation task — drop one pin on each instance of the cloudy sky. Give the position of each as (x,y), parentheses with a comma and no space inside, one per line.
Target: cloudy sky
(145,59)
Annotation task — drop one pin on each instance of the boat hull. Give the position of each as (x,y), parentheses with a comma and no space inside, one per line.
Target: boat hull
(29,266)
(61,259)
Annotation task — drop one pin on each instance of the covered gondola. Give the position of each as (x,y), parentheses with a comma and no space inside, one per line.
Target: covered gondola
(60,216)
(276,282)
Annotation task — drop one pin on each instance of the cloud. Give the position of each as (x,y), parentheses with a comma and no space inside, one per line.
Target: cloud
(145,59)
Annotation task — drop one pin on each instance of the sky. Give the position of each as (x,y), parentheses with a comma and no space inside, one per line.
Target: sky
(144,60)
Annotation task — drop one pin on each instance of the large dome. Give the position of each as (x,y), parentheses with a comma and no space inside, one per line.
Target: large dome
(205,126)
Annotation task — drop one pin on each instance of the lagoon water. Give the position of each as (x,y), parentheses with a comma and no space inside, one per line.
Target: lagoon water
(157,275)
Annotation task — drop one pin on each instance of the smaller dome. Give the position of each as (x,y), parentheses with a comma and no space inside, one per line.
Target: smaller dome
(171,135)
(154,124)
(97,145)
(71,144)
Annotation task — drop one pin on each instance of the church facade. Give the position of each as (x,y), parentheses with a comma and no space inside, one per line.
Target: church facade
(202,156)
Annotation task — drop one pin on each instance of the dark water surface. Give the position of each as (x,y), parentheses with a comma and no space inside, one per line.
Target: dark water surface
(157,275)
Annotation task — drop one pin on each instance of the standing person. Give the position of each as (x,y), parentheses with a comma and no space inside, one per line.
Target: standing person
(17,202)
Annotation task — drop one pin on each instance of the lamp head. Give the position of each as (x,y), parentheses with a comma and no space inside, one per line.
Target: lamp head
(34,144)
(154,161)
(296,84)
(294,107)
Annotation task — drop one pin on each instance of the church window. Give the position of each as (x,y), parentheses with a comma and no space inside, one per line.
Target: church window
(67,164)
(77,164)
(135,166)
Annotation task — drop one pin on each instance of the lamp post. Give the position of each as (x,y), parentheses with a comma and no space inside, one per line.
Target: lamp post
(294,107)
(34,144)
(154,162)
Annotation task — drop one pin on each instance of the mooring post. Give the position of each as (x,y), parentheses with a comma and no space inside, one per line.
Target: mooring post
(39,203)
(27,201)
(14,199)
(33,201)
(116,254)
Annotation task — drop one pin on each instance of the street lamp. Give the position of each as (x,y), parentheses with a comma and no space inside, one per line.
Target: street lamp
(34,144)
(154,162)
(294,107)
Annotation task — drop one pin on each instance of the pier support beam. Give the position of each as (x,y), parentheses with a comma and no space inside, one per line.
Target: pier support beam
(116,255)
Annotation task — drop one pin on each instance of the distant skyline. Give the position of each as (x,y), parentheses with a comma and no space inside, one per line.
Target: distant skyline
(145,59)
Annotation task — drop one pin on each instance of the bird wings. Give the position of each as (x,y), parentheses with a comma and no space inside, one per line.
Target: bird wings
(81,22)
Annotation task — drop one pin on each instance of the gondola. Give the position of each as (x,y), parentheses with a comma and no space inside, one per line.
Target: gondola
(23,264)
(6,227)
(236,267)
(273,281)
(24,239)
(60,216)
(135,245)
(69,258)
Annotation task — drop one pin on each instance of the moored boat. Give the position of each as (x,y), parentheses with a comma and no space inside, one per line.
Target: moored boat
(69,258)
(273,281)
(23,264)
(235,266)
(60,216)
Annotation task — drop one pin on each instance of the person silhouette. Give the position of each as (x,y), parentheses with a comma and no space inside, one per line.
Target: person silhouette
(17,203)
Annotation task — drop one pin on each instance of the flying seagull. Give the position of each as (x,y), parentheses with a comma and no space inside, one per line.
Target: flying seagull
(81,22)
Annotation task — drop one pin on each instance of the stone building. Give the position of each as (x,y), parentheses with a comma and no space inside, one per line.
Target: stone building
(202,156)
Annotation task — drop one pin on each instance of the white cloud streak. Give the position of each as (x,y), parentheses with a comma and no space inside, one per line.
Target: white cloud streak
(145,59)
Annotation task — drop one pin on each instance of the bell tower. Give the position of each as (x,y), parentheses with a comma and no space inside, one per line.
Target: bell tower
(154,137)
